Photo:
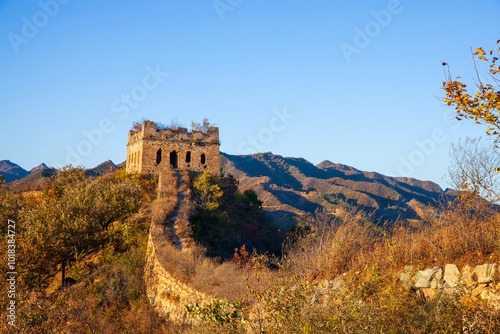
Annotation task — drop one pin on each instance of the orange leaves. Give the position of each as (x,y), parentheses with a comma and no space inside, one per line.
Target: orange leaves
(479,51)
(483,107)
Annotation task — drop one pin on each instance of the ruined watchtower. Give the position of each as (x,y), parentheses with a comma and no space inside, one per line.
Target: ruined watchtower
(150,147)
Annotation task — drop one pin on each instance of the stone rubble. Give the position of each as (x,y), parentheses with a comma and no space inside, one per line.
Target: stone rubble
(473,283)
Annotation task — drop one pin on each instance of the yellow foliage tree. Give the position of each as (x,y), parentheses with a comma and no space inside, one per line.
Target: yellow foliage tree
(207,191)
(71,218)
(483,106)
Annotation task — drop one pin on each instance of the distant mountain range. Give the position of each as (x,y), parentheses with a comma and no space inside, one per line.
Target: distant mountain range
(105,167)
(19,179)
(11,171)
(39,167)
(293,188)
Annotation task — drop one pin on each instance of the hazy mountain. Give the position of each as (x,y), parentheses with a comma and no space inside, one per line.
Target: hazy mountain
(39,167)
(103,168)
(32,181)
(293,187)
(22,180)
(11,171)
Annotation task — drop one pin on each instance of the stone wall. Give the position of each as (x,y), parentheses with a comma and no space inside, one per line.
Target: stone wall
(470,283)
(167,295)
(195,151)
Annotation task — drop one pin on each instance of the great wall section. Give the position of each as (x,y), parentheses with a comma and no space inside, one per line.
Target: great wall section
(170,154)
(168,295)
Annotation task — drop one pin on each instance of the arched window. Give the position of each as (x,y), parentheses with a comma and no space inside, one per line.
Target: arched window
(188,157)
(158,156)
(173,159)
(203,159)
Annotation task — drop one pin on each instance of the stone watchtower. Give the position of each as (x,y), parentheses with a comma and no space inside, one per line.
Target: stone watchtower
(180,149)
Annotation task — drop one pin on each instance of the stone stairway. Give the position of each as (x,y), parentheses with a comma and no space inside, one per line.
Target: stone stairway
(175,221)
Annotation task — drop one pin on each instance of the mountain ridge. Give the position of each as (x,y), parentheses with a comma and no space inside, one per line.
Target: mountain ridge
(294,188)
(11,171)
(39,167)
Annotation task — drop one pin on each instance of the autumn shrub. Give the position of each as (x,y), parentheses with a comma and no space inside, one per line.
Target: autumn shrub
(70,217)
(225,219)
(110,299)
(109,293)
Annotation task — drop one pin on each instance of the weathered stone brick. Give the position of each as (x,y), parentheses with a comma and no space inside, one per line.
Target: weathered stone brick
(176,148)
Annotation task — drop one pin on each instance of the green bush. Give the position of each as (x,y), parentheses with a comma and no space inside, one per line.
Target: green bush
(226,219)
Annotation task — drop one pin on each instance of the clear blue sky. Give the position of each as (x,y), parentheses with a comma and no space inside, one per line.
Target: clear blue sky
(361,99)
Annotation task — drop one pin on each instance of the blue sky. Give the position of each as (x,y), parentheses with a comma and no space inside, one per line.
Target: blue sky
(351,82)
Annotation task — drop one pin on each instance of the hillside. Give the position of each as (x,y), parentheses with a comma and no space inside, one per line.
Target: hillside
(294,187)
(11,171)
(33,181)
(39,167)
(103,168)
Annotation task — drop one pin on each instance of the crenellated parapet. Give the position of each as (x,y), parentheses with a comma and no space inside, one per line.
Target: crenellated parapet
(179,148)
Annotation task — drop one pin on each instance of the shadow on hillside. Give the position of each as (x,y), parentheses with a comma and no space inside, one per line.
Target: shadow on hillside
(309,170)
(295,200)
(255,168)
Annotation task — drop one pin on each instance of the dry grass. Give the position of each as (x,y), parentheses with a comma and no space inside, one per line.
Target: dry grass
(183,226)
(348,244)
(224,280)
(454,237)
(334,247)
